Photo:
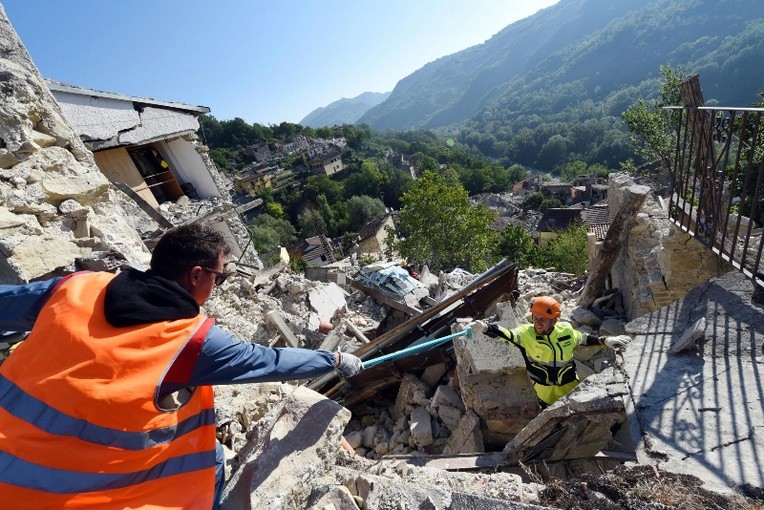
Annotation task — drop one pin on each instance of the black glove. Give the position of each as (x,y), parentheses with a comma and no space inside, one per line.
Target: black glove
(348,364)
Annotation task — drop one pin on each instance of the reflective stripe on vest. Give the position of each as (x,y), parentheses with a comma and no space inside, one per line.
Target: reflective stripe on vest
(549,358)
(79,422)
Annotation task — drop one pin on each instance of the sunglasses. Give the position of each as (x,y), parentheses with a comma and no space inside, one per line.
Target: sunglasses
(220,276)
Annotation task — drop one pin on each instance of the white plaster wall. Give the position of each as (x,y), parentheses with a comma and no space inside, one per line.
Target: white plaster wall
(188,166)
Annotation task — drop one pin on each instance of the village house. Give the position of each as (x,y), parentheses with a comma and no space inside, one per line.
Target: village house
(260,151)
(329,162)
(559,190)
(146,144)
(256,180)
(555,220)
(315,251)
(526,186)
(588,188)
(371,240)
(149,150)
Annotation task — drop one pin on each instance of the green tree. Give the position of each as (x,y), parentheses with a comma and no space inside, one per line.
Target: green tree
(518,246)
(549,203)
(653,128)
(533,201)
(567,251)
(363,209)
(570,171)
(311,223)
(322,184)
(268,233)
(440,228)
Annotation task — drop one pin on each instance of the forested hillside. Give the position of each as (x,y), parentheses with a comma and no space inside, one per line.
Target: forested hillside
(551,88)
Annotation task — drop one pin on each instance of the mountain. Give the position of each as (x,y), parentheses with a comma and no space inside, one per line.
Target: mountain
(595,56)
(344,111)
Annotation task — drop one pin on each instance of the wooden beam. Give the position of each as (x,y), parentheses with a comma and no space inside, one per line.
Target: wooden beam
(633,197)
(274,318)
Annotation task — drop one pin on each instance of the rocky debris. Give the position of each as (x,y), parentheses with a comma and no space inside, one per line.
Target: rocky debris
(287,439)
(390,484)
(576,427)
(487,399)
(289,456)
(58,213)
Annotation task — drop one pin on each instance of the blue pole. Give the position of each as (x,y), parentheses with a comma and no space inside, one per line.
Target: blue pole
(416,348)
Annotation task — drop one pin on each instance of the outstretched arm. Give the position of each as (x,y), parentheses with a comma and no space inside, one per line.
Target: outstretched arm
(21,304)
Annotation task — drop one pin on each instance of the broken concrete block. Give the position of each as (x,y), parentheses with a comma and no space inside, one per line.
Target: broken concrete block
(412,392)
(373,435)
(277,321)
(354,439)
(586,317)
(446,396)
(690,336)
(576,426)
(336,498)
(448,406)
(433,373)
(296,441)
(466,437)
(327,300)
(450,416)
(421,427)
(612,327)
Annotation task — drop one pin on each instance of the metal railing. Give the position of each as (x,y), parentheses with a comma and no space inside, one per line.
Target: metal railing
(717,189)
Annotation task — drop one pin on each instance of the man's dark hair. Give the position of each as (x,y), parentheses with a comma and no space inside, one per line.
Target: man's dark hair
(182,248)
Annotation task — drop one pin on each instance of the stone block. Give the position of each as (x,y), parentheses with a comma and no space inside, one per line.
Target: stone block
(466,437)
(296,441)
(412,392)
(433,374)
(420,426)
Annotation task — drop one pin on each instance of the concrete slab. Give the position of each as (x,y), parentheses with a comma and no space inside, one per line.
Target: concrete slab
(701,411)
(577,426)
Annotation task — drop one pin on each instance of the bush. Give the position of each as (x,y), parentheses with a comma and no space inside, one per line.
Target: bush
(567,252)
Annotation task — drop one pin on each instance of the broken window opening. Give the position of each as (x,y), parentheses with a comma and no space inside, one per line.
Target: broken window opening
(156,173)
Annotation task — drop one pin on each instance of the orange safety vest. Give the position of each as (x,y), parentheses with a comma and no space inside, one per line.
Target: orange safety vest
(79,422)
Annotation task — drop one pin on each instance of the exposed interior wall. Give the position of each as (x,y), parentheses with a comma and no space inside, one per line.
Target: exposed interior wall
(117,166)
(189,167)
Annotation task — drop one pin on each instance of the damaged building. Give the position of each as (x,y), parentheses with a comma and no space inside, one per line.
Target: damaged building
(446,427)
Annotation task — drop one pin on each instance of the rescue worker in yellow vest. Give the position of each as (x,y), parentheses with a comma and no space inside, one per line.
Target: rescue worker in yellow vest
(547,346)
(108,402)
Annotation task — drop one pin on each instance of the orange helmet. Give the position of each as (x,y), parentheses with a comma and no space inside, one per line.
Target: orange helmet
(545,306)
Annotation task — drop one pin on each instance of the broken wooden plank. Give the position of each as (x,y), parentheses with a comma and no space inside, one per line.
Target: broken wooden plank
(470,301)
(385,298)
(273,317)
(357,333)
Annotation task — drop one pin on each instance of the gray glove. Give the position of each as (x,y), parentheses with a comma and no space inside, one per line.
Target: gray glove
(478,326)
(349,365)
(616,342)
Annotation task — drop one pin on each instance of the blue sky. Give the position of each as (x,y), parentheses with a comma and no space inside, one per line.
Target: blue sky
(264,61)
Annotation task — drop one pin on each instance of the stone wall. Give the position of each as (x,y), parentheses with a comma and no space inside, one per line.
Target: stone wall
(55,204)
(658,263)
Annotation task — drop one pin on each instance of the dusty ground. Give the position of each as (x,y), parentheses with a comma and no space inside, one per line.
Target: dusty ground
(643,487)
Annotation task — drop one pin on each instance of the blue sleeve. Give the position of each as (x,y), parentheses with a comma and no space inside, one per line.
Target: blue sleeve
(226,360)
(21,304)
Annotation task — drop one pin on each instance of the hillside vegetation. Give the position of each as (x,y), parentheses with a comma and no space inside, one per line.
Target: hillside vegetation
(551,88)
